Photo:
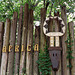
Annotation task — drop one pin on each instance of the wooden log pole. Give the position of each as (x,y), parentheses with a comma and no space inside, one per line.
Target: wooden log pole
(12,44)
(65,62)
(5,48)
(24,40)
(57,41)
(71,31)
(1,39)
(50,27)
(29,44)
(17,50)
(36,50)
(42,36)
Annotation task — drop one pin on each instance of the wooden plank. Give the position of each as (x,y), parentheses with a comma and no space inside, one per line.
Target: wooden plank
(36,50)
(29,44)
(71,31)
(24,40)
(57,29)
(12,44)
(42,36)
(65,62)
(1,39)
(5,44)
(17,53)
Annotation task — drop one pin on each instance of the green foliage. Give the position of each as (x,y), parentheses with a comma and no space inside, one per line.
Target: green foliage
(69,51)
(44,62)
(7,7)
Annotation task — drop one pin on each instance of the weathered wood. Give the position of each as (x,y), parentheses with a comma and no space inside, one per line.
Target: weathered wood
(5,44)
(1,38)
(71,31)
(64,45)
(42,36)
(24,40)
(12,43)
(36,50)
(29,44)
(50,28)
(17,54)
(57,29)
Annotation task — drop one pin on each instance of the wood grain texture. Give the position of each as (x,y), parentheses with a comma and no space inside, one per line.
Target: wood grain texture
(42,36)
(24,40)
(57,29)
(29,42)
(17,54)
(5,43)
(36,53)
(65,62)
(71,31)
(12,43)
(50,28)
(1,39)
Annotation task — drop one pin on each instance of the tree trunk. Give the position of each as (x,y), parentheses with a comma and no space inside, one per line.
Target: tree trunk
(5,45)
(17,53)
(24,40)
(12,43)
(1,39)
(36,50)
(64,45)
(71,31)
(29,44)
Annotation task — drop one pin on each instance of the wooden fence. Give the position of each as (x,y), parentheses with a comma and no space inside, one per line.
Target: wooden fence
(17,54)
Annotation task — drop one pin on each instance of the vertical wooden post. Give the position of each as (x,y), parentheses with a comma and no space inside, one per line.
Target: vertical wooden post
(5,45)
(50,27)
(17,53)
(57,29)
(71,31)
(1,38)
(42,36)
(24,40)
(36,50)
(12,44)
(29,44)
(64,45)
